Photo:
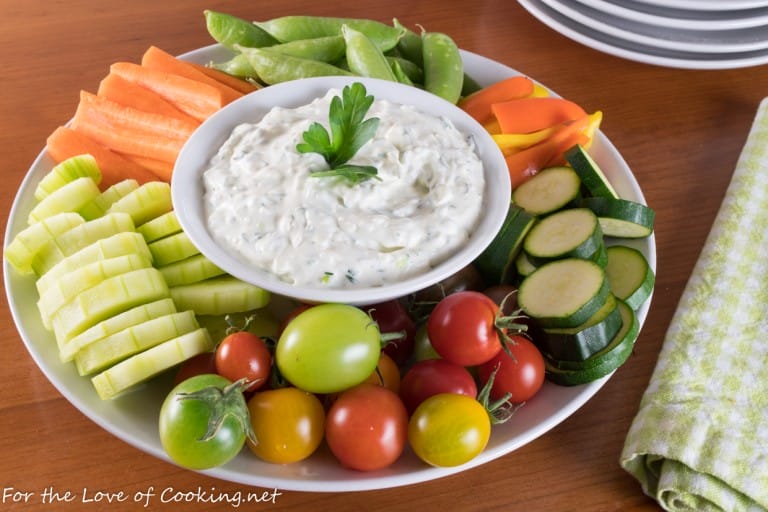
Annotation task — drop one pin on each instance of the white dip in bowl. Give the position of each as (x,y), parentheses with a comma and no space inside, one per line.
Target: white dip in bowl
(263,205)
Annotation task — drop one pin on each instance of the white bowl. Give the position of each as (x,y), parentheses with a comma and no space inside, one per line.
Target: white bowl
(187,186)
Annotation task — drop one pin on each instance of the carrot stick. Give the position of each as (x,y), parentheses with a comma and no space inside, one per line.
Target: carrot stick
(115,88)
(155,58)
(118,135)
(527,115)
(65,142)
(163,170)
(478,104)
(195,98)
(234,82)
(129,118)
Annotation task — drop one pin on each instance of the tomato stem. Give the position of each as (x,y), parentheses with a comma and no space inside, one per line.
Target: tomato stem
(223,403)
(500,410)
(232,328)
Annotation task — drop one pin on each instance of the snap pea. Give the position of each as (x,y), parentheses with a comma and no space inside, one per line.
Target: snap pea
(274,67)
(325,49)
(400,75)
(364,57)
(409,45)
(230,30)
(292,28)
(443,67)
(412,70)
(238,66)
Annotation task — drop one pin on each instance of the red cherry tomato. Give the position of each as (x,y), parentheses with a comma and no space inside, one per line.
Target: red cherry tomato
(392,317)
(522,375)
(243,355)
(462,328)
(434,376)
(366,428)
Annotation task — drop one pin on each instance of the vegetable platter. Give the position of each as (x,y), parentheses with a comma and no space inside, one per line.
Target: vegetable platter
(133,417)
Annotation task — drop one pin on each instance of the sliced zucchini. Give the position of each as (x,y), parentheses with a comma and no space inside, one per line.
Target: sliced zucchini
(523,265)
(630,276)
(574,232)
(615,354)
(590,173)
(622,218)
(579,343)
(600,256)
(547,191)
(496,262)
(564,293)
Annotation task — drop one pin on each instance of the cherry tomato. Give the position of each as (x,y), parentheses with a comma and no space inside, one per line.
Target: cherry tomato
(462,328)
(392,317)
(243,355)
(288,424)
(422,347)
(449,429)
(184,422)
(328,348)
(197,365)
(366,428)
(522,375)
(432,377)
(386,374)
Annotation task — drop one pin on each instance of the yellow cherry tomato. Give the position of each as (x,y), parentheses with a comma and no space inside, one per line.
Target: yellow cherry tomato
(288,424)
(449,429)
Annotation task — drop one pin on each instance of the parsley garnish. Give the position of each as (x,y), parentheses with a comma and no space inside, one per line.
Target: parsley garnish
(349,132)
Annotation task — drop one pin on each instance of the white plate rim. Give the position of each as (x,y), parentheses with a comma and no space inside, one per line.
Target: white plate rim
(121,418)
(703,42)
(717,20)
(639,53)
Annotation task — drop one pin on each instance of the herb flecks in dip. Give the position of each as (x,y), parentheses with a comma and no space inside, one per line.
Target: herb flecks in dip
(263,205)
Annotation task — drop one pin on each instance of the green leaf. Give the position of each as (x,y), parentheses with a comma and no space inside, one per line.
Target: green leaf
(349,132)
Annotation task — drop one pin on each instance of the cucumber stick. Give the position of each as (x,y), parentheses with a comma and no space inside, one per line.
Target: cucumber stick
(104,353)
(172,248)
(160,227)
(72,283)
(219,296)
(108,298)
(116,323)
(149,363)
(79,237)
(79,166)
(26,245)
(101,203)
(116,245)
(190,270)
(69,198)
(143,204)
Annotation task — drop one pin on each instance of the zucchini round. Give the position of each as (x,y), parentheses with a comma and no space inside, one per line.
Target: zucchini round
(496,262)
(574,232)
(548,190)
(580,343)
(589,172)
(621,217)
(615,354)
(564,293)
(629,275)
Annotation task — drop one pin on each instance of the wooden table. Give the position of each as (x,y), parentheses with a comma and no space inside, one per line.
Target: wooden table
(681,132)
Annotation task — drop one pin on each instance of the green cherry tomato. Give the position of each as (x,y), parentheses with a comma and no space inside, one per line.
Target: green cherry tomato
(448,429)
(191,433)
(288,424)
(328,348)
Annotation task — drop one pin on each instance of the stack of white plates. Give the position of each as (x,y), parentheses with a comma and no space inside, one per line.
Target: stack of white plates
(693,34)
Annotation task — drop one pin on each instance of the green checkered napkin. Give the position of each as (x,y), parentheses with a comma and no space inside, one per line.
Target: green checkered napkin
(700,439)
